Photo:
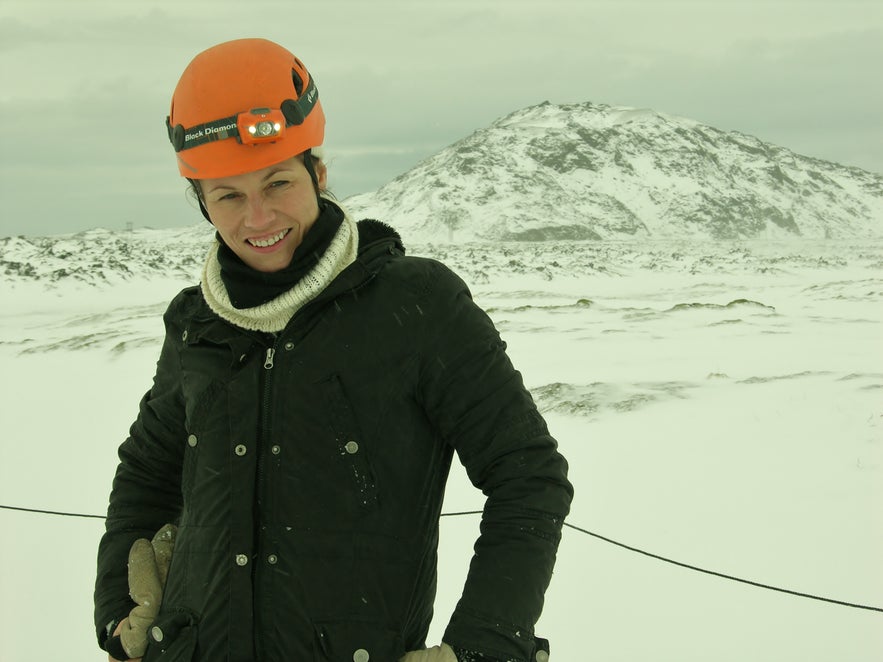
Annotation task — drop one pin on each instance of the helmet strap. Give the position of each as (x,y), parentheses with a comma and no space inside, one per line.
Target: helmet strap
(308,164)
(203,209)
(197,188)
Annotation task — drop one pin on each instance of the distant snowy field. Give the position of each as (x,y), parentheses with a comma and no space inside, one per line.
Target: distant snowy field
(720,404)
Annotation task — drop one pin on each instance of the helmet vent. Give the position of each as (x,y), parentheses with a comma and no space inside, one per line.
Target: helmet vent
(298,82)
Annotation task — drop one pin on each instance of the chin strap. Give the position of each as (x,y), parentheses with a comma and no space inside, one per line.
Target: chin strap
(197,189)
(203,209)
(308,164)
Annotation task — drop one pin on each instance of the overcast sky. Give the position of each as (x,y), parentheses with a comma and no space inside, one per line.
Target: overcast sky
(86,85)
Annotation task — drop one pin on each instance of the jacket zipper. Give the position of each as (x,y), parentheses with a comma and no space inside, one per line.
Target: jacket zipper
(263,494)
(262,491)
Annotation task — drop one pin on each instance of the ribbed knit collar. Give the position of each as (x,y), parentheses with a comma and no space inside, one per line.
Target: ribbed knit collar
(276,297)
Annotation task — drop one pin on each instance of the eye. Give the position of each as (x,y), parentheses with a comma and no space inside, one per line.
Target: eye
(279,183)
(228,196)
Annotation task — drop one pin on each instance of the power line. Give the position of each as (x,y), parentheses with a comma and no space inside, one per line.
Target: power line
(630,548)
(723,575)
(51,512)
(698,569)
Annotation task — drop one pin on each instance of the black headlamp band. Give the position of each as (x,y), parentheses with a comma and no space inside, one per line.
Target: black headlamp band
(294,111)
(203,133)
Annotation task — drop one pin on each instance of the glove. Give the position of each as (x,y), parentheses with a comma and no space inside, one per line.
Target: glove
(148,568)
(442,653)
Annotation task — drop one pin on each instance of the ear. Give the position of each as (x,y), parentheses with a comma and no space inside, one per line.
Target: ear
(321,174)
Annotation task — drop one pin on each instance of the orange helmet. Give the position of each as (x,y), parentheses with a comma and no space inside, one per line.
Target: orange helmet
(241,106)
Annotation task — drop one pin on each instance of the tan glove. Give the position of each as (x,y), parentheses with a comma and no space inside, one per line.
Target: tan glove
(148,568)
(442,653)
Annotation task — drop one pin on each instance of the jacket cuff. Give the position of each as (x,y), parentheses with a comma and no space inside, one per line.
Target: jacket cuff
(540,654)
(114,648)
(464,655)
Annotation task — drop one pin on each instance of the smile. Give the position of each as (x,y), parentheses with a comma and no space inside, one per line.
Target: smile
(269,241)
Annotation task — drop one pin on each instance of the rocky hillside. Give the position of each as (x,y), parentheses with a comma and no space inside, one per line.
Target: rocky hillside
(590,171)
(99,257)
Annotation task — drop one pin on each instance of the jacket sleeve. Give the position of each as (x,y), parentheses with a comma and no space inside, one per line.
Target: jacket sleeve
(479,404)
(146,492)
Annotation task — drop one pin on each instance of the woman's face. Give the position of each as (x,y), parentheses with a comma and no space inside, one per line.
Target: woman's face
(263,216)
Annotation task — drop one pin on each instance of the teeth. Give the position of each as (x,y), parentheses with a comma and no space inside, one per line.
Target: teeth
(264,243)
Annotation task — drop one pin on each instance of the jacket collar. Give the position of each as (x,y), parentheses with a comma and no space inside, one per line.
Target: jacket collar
(378,244)
(373,232)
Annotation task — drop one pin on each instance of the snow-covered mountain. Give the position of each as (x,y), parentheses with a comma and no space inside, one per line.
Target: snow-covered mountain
(591,171)
(541,178)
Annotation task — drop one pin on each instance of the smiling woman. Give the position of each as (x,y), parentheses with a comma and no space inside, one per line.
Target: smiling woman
(264,215)
(294,448)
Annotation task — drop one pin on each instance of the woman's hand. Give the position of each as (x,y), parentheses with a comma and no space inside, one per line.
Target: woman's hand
(119,629)
(148,568)
(442,653)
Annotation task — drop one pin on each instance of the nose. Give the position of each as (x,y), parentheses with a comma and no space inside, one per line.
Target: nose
(260,214)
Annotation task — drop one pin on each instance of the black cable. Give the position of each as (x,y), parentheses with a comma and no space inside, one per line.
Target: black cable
(698,569)
(51,512)
(722,575)
(588,533)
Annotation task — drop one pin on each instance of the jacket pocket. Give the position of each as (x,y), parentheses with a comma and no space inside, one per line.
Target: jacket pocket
(362,641)
(351,444)
(172,637)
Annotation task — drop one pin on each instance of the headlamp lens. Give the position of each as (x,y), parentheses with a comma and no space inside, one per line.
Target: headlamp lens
(264,129)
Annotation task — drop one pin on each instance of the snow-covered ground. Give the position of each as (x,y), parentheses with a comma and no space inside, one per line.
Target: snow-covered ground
(721,405)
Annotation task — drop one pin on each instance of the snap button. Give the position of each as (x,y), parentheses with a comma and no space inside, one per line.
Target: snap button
(351,447)
(240,450)
(289,346)
(276,449)
(192,441)
(241,560)
(272,559)
(156,633)
(542,656)
(361,655)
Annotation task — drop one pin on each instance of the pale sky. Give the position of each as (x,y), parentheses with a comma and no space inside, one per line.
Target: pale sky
(86,85)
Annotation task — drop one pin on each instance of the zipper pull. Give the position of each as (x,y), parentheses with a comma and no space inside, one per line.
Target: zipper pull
(268,362)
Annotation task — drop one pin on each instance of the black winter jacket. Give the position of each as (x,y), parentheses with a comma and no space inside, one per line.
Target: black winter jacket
(306,472)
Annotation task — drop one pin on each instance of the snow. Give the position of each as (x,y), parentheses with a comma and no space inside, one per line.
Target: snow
(719,404)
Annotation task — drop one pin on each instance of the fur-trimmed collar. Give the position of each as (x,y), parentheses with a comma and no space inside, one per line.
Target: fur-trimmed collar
(371,230)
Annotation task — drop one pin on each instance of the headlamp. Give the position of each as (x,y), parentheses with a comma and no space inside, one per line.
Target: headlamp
(260,125)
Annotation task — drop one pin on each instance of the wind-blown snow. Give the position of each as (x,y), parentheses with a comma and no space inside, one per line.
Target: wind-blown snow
(718,403)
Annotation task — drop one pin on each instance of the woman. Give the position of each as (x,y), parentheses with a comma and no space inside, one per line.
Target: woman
(307,402)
